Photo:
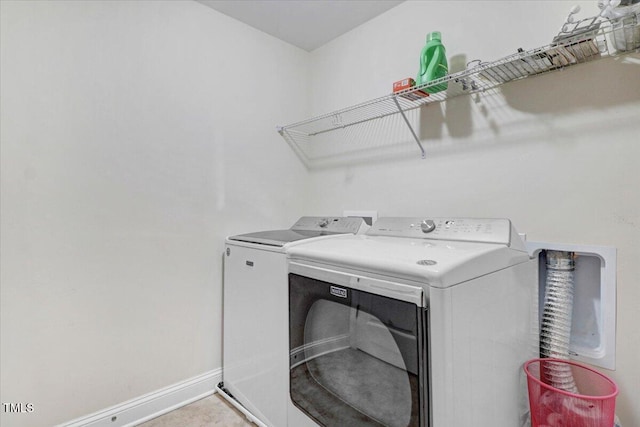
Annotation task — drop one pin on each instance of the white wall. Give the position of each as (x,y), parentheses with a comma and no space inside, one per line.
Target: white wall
(135,137)
(558,154)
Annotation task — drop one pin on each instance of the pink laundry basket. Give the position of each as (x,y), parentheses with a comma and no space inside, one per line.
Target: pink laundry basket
(592,406)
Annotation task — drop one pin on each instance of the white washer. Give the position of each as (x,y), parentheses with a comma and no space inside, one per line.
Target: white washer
(416,323)
(255,361)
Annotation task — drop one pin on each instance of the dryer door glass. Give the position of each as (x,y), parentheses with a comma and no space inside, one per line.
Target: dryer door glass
(356,358)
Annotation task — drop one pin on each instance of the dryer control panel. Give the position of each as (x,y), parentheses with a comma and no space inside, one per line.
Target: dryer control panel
(485,230)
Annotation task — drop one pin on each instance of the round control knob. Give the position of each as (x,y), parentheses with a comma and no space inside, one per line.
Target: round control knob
(428,226)
(323,222)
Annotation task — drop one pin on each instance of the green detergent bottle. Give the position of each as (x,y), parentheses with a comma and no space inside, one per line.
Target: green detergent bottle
(433,62)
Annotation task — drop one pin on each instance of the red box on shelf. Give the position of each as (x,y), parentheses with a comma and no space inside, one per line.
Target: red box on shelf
(403,84)
(408,83)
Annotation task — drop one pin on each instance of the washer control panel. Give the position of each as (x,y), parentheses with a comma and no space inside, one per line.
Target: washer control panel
(329,224)
(489,230)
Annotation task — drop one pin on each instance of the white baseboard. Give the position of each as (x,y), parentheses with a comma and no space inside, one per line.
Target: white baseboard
(151,405)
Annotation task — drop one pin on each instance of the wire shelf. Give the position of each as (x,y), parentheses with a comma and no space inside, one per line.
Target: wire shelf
(593,38)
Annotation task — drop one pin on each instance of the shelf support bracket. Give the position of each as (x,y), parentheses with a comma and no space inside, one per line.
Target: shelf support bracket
(423,153)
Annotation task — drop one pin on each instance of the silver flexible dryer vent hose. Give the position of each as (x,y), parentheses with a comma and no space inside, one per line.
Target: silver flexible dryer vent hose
(555,331)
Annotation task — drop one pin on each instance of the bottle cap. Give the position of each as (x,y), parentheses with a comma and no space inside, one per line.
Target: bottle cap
(434,35)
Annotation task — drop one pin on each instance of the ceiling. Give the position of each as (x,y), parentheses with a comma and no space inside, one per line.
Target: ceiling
(307,24)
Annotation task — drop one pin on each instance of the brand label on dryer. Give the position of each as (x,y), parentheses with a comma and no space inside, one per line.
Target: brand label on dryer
(338,292)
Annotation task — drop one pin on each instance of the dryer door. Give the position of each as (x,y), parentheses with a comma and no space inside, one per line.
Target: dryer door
(356,358)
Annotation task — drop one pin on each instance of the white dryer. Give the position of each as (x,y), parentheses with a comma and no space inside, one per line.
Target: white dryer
(255,301)
(421,323)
